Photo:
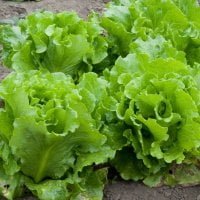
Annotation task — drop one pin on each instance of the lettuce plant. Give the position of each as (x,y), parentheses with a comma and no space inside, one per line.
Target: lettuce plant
(176,20)
(60,42)
(46,132)
(158,102)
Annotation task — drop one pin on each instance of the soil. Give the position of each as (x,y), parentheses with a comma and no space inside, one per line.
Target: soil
(137,191)
(118,190)
(12,9)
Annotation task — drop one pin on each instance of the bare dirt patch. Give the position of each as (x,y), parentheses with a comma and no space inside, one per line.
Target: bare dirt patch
(3,72)
(138,191)
(83,7)
(118,190)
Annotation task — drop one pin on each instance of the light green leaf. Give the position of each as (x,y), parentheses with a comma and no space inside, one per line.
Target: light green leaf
(49,189)
(189,135)
(41,158)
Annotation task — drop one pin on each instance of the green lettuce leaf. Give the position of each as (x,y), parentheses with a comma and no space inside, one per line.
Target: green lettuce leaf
(10,186)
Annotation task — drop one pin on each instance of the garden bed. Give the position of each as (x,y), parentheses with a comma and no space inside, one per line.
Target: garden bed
(118,190)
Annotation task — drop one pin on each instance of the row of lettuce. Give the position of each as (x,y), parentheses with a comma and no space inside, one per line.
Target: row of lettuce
(121,89)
